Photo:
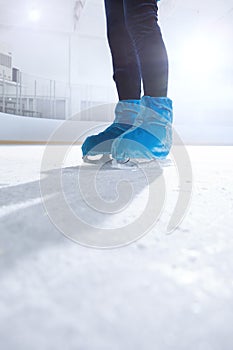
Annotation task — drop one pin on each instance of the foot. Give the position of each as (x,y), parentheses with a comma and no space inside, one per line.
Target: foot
(126,112)
(151,136)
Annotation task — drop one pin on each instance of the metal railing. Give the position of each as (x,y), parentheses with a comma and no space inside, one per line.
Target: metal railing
(32,96)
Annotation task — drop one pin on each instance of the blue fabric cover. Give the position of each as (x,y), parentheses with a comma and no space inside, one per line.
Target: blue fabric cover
(151,136)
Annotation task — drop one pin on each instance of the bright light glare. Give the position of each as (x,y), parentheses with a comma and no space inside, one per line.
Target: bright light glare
(34,15)
(202,56)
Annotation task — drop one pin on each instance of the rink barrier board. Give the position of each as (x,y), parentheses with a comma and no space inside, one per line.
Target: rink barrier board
(16,142)
(28,130)
(18,130)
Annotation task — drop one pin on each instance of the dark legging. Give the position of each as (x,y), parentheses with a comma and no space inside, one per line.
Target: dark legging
(137,48)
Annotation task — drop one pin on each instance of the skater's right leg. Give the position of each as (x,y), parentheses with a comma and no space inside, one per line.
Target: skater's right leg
(127,76)
(125,60)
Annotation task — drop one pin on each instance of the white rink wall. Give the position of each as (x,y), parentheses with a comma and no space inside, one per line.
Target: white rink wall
(26,129)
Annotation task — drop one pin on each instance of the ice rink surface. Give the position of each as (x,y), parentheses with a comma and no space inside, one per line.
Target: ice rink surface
(165,291)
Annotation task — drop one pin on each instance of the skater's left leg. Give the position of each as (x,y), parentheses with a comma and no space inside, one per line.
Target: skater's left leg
(151,136)
(141,18)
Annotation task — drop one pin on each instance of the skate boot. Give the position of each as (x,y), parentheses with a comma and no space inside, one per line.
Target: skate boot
(151,136)
(126,112)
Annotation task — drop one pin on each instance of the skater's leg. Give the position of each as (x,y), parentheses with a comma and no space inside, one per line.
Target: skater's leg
(127,77)
(142,22)
(126,68)
(151,136)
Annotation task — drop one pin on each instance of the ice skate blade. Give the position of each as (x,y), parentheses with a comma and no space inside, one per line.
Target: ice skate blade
(140,163)
(98,159)
(123,165)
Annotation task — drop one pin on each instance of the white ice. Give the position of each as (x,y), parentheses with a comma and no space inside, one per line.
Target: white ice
(165,291)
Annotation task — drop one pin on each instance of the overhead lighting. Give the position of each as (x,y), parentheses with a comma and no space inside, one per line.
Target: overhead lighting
(34,15)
